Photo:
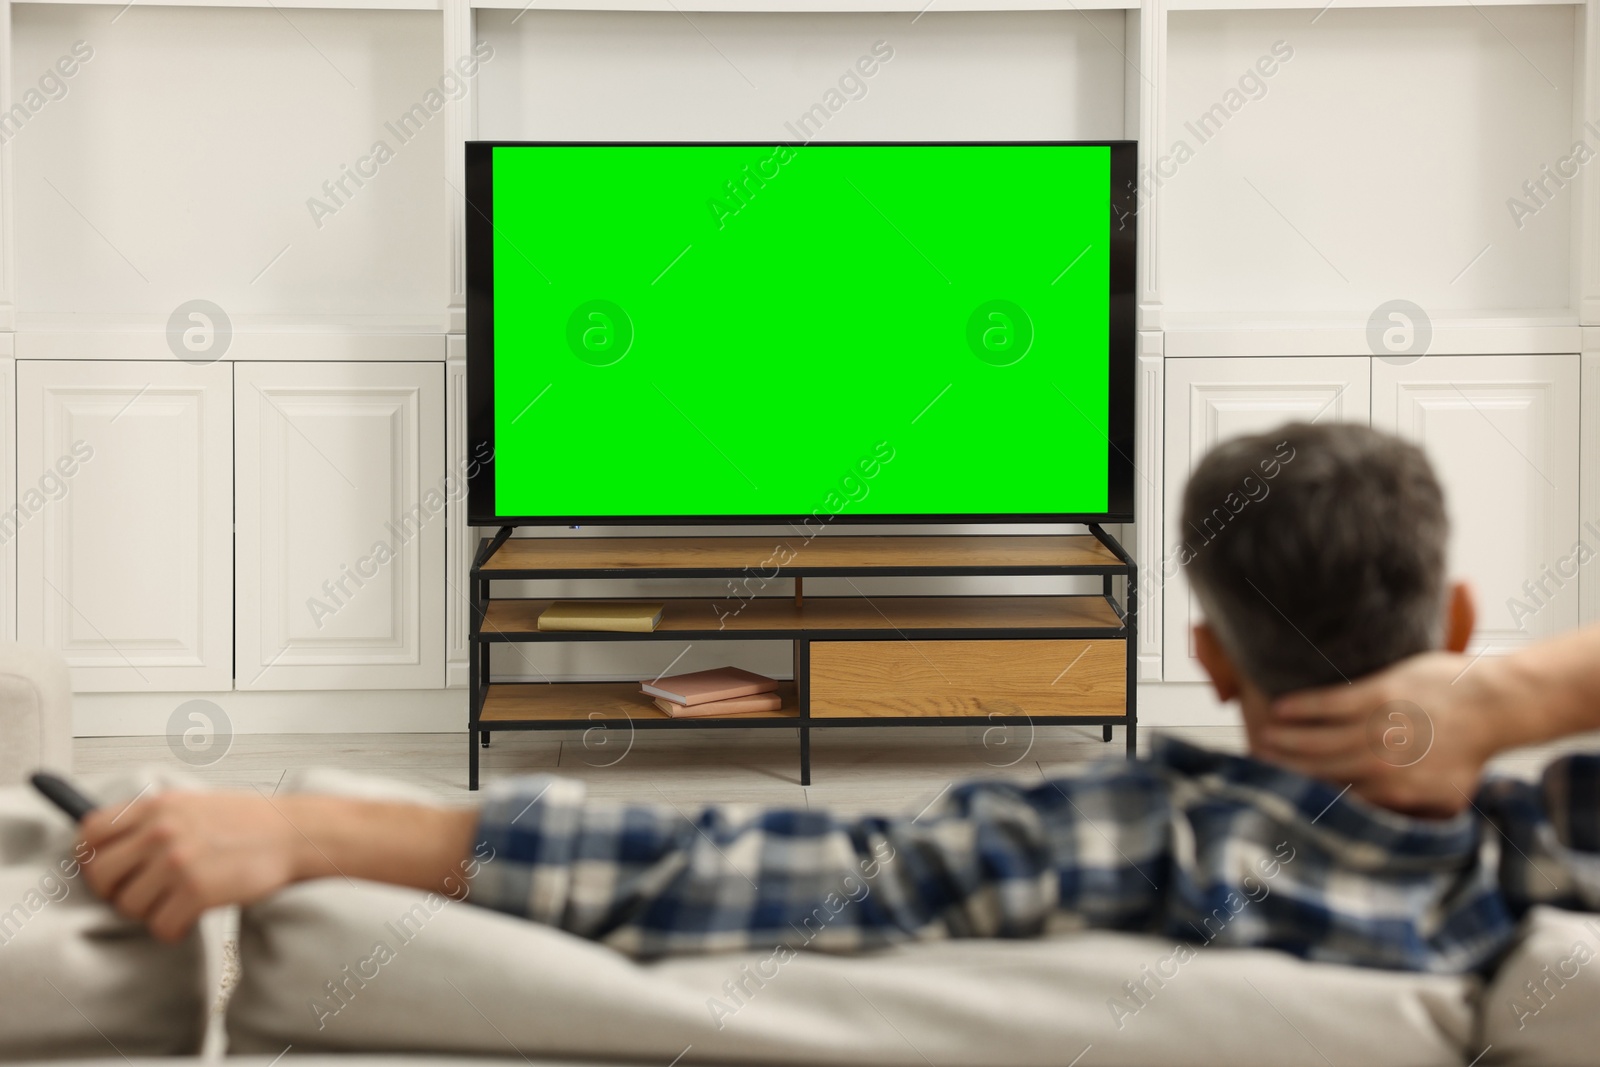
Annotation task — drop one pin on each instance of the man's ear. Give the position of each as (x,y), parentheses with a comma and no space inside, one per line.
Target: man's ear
(1224,678)
(1461,615)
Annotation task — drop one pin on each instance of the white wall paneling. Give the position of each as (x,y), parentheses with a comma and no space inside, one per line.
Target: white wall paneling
(225,129)
(1589,471)
(1502,431)
(261,345)
(1210,400)
(341,533)
(274,711)
(1318,5)
(292,5)
(1375,162)
(814,7)
(1148,461)
(10,516)
(8,319)
(1224,334)
(461,53)
(459,40)
(1006,75)
(1586,232)
(1151,131)
(125,566)
(460,539)
(1380,161)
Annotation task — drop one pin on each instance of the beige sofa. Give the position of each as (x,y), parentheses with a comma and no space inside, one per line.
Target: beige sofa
(35,712)
(352,972)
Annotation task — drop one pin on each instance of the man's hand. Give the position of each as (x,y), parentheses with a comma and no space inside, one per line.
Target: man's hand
(1413,738)
(165,859)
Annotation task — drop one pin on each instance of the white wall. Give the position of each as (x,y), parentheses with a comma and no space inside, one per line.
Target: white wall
(664,76)
(1374,163)
(181,159)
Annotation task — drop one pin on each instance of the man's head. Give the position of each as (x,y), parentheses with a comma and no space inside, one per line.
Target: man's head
(1317,554)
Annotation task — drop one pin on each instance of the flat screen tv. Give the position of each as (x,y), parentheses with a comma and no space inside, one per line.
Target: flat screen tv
(857,332)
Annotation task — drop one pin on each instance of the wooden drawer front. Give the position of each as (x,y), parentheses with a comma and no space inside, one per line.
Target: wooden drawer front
(890,679)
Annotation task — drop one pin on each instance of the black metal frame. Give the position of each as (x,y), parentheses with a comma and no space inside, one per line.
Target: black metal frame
(482,510)
(482,642)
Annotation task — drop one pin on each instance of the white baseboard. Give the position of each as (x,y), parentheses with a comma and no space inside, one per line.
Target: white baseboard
(1183,704)
(366,711)
(445,711)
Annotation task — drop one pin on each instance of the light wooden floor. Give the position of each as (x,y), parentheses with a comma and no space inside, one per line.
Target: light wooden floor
(886,770)
(877,769)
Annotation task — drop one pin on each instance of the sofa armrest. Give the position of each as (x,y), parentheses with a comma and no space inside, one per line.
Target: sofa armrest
(35,712)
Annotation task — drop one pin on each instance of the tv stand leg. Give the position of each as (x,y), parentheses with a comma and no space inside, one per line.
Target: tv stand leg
(472,761)
(1133,741)
(1105,733)
(501,536)
(484,743)
(805,755)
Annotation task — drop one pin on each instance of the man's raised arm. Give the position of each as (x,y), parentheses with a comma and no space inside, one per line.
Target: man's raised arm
(1471,709)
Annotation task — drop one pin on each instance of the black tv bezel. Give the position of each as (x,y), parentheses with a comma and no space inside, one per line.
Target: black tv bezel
(481,508)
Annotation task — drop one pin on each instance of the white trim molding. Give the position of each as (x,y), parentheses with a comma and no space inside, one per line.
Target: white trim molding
(1589,472)
(1148,453)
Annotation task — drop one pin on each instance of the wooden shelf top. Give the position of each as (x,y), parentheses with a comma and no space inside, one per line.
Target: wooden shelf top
(820,615)
(584,702)
(796,555)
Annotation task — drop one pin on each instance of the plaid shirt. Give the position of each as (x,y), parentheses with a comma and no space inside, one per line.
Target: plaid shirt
(1189,844)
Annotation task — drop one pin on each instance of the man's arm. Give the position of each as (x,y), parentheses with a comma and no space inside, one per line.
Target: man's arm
(165,859)
(984,859)
(1474,709)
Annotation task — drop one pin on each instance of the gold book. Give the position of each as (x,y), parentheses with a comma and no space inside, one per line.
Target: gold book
(629,616)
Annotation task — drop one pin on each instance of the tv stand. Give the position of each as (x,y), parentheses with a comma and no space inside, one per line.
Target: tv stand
(858,660)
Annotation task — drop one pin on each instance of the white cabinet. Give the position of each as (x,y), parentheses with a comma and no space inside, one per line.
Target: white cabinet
(124,522)
(341,537)
(1502,431)
(1210,400)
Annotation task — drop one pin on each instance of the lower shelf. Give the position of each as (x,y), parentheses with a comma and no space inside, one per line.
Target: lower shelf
(580,703)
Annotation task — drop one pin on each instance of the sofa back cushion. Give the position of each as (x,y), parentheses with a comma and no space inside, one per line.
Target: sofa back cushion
(336,965)
(76,979)
(35,712)
(1541,1007)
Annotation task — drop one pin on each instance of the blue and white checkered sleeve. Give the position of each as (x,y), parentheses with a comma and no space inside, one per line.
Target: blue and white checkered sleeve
(1553,831)
(1571,789)
(984,860)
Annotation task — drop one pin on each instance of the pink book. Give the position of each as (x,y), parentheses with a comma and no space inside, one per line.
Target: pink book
(702,686)
(731,706)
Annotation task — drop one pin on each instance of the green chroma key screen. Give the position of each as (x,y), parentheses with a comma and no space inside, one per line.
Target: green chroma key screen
(779,331)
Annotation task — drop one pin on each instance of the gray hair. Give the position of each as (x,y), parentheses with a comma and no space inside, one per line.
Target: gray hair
(1316,552)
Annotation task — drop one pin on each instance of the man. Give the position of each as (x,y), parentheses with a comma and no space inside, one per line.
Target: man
(1330,570)
(1474,708)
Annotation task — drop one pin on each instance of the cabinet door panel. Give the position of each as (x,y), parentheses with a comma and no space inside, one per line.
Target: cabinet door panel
(124,526)
(1211,400)
(1502,431)
(341,525)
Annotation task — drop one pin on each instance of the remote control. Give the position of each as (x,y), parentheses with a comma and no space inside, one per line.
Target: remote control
(64,795)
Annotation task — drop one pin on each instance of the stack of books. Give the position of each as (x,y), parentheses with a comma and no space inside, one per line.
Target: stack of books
(723,691)
(624,616)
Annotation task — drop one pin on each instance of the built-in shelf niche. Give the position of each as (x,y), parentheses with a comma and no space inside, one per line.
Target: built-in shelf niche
(719,76)
(1336,160)
(221,126)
